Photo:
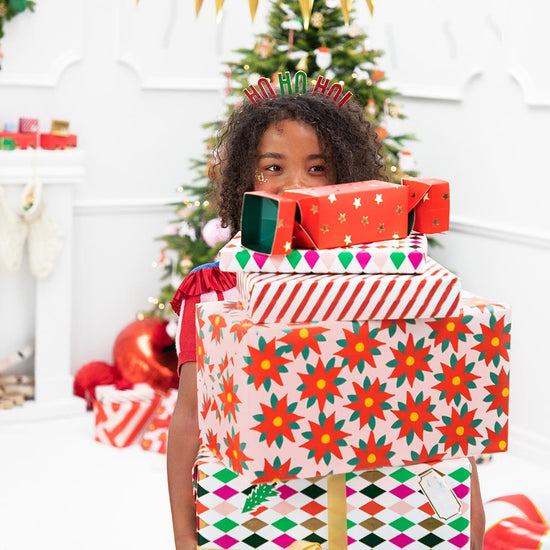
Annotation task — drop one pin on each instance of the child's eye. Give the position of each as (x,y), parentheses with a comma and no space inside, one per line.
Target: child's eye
(318,168)
(272,168)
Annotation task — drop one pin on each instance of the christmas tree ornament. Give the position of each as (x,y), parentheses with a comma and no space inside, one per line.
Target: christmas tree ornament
(394,110)
(377,75)
(214,234)
(45,238)
(13,232)
(264,47)
(371,109)
(345,6)
(253,5)
(323,58)
(305,7)
(138,359)
(354,30)
(17,6)
(331,4)
(406,161)
(302,64)
(317,19)
(3,10)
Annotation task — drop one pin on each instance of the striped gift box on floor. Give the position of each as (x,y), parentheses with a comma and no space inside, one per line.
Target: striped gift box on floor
(297,298)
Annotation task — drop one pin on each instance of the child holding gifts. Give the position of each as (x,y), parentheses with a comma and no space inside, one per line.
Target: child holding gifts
(283,142)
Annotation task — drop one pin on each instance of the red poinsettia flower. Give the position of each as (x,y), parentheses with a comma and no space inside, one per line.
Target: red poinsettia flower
(450,331)
(325,438)
(460,430)
(277,421)
(276,472)
(493,342)
(424,456)
(413,417)
(200,355)
(499,391)
(217,323)
(212,442)
(392,325)
(359,346)
(321,383)
(264,365)
(304,337)
(373,454)
(411,360)
(240,329)
(200,321)
(229,398)
(497,441)
(205,406)
(369,402)
(456,379)
(235,453)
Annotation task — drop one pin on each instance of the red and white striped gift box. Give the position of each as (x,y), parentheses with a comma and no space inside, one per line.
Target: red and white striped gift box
(155,437)
(28,125)
(298,298)
(121,416)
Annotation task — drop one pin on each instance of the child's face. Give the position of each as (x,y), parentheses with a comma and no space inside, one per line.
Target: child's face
(289,157)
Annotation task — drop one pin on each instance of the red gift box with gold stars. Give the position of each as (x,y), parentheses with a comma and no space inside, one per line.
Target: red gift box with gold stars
(429,200)
(326,217)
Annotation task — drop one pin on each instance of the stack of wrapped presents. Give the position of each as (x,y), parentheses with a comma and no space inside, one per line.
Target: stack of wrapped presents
(341,396)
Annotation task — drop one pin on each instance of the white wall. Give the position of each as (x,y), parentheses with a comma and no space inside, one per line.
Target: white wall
(137,82)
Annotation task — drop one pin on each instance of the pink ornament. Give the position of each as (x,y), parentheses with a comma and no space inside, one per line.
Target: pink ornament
(213,233)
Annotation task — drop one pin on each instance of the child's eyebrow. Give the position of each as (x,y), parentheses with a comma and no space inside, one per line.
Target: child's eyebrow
(280,156)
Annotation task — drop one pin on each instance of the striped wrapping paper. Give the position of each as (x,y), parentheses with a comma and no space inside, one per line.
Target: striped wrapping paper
(28,125)
(121,416)
(296,298)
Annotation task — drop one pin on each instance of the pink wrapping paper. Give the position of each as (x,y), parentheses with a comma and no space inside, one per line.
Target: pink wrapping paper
(302,400)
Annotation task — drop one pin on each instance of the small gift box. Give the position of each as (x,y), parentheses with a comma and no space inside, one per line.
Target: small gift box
(28,125)
(297,298)
(430,199)
(386,508)
(155,436)
(406,256)
(121,416)
(325,217)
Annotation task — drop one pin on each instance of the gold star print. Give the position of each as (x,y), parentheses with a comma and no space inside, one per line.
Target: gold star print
(365,220)
(426,197)
(314,209)
(399,209)
(445,196)
(378,198)
(357,202)
(287,246)
(342,217)
(436,222)
(347,239)
(332,198)
(280,223)
(381,227)
(324,229)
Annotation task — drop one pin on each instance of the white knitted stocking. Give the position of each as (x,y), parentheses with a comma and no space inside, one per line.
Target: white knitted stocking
(13,232)
(45,236)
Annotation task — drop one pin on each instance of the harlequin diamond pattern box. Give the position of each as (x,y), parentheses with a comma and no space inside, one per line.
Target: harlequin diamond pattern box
(404,256)
(415,506)
(301,400)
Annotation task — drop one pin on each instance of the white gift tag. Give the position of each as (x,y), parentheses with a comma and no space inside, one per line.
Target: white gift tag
(442,498)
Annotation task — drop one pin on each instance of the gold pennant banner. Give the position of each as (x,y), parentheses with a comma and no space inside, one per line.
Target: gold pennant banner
(306,6)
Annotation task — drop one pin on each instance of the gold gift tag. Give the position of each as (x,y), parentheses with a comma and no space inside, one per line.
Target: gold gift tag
(442,498)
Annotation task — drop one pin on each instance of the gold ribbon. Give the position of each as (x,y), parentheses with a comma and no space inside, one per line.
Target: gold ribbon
(337,512)
(304,545)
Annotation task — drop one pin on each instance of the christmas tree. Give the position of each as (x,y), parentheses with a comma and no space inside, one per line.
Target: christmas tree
(328,48)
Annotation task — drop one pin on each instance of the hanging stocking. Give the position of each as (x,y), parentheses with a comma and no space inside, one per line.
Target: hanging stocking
(13,232)
(45,236)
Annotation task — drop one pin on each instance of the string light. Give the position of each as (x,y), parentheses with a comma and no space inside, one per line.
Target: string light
(154,264)
(140,316)
(161,306)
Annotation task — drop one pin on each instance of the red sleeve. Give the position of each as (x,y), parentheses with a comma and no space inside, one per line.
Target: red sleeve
(197,284)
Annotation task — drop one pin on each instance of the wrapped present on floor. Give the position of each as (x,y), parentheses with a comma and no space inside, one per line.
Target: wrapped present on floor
(298,298)
(29,125)
(406,256)
(340,396)
(121,416)
(382,508)
(343,215)
(155,436)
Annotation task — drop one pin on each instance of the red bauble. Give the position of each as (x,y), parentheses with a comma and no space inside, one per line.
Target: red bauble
(138,359)
(90,375)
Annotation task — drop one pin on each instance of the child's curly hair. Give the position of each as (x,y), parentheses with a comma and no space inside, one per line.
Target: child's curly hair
(349,140)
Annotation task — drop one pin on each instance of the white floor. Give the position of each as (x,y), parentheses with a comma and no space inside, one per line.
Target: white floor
(61,490)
